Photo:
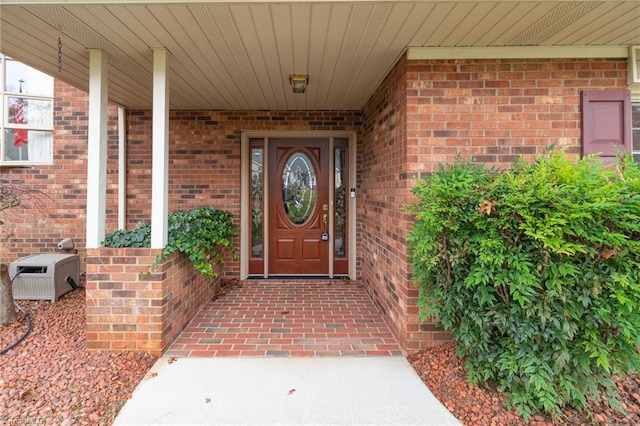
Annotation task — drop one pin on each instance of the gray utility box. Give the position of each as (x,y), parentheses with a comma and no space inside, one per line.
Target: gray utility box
(44,276)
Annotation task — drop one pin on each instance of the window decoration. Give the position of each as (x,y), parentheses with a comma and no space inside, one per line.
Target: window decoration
(299,188)
(257,178)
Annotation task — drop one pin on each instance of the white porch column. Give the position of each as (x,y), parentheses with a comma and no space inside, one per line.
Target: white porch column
(122,169)
(160,155)
(97,149)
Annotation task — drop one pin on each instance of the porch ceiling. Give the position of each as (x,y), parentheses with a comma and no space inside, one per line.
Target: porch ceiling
(238,54)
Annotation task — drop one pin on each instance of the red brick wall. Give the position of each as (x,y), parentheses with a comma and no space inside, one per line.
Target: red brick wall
(204,156)
(425,113)
(204,167)
(60,212)
(383,189)
(497,110)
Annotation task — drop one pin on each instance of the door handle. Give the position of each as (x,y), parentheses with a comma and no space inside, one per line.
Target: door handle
(325,234)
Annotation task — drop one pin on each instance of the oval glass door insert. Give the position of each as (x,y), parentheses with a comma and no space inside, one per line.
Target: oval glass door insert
(299,192)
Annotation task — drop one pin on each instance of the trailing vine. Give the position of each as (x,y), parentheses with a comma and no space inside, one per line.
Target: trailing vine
(200,233)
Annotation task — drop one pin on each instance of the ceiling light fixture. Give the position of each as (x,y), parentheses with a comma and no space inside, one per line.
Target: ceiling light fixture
(299,82)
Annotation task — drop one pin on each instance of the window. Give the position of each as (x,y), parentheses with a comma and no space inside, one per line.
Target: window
(27,114)
(635,126)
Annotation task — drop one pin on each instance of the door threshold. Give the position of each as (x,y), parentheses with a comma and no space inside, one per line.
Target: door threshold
(298,277)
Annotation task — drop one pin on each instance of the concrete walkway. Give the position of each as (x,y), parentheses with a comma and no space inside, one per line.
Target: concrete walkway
(283,391)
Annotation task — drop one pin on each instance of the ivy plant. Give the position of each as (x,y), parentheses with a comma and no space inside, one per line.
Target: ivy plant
(200,233)
(536,272)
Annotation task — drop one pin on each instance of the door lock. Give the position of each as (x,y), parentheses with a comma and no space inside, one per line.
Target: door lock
(325,221)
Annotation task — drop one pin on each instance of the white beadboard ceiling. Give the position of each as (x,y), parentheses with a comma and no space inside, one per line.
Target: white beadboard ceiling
(237,55)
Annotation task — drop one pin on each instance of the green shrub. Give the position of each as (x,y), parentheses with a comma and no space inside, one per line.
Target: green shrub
(198,233)
(536,272)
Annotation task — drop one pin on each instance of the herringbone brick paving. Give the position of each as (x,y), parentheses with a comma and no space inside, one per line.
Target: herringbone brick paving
(287,318)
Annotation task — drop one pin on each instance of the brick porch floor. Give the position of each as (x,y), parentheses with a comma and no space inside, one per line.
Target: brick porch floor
(287,318)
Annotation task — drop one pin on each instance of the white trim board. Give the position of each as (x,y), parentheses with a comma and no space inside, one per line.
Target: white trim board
(517,52)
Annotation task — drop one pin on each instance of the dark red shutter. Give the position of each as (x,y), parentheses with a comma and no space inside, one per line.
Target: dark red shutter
(606,123)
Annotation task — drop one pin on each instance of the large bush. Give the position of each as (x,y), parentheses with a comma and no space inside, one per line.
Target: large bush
(536,272)
(199,233)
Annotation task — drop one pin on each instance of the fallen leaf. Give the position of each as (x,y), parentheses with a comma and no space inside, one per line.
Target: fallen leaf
(284,312)
(608,253)
(291,391)
(25,393)
(172,359)
(207,400)
(486,207)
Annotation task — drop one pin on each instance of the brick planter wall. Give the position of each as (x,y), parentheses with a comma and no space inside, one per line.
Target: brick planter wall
(133,307)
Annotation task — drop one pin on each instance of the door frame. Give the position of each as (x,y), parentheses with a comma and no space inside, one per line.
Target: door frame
(245,195)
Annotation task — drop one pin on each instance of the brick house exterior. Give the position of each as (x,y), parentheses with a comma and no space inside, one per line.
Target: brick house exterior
(425,112)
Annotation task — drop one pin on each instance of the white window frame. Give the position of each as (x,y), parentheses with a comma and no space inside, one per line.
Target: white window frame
(634,65)
(5,125)
(635,152)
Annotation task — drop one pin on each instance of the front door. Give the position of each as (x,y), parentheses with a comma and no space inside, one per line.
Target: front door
(298,207)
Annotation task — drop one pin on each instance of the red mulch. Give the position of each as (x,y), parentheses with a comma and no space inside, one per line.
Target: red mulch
(51,379)
(444,374)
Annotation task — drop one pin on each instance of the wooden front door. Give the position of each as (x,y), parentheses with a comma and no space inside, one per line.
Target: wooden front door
(299,206)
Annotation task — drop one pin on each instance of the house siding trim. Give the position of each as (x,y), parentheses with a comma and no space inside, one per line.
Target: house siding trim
(518,52)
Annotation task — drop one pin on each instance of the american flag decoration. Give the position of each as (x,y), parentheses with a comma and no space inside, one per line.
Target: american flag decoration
(20,135)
